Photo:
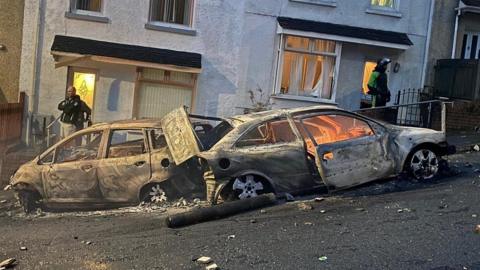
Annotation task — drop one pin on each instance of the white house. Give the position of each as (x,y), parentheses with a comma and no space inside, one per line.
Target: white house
(142,58)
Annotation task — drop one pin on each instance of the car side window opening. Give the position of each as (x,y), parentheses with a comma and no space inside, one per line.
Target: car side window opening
(48,158)
(125,143)
(81,147)
(158,139)
(271,132)
(332,128)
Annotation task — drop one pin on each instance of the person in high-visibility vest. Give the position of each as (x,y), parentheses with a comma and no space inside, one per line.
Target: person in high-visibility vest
(378,84)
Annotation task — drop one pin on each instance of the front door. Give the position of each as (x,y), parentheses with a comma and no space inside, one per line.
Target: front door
(347,151)
(72,177)
(126,166)
(84,81)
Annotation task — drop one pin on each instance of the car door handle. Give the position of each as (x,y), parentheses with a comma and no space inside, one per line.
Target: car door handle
(140,163)
(327,156)
(86,168)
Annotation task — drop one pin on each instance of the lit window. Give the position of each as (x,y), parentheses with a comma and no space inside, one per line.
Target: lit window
(308,67)
(384,3)
(171,11)
(87,5)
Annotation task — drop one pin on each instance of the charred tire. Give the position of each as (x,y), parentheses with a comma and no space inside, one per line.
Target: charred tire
(423,163)
(153,193)
(246,186)
(28,201)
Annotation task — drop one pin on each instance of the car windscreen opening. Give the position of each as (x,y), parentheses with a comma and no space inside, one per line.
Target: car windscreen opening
(210,131)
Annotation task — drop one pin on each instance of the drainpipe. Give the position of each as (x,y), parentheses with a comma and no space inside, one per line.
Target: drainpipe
(427,45)
(455,32)
(37,62)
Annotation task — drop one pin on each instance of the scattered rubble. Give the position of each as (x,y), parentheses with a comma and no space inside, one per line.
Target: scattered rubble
(468,164)
(263,211)
(319,199)
(401,210)
(23,248)
(323,211)
(253,221)
(232,236)
(305,206)
(474,215)
(323,258)
(10,262)
(476,147)
(360,209)
(477,229)
(204,260)
(289,197)
(3,201)
(212,266)
(308,223)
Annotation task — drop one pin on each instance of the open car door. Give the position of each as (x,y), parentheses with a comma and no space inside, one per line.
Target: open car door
(180,136)
(347,151)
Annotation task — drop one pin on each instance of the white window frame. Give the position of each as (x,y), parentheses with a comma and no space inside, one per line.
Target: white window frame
(73,9)
(279,71)
(468,46)
(396,6)
(328,3)
(189,26)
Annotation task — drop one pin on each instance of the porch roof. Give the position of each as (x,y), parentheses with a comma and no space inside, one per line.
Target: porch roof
(346,33)
(117,53)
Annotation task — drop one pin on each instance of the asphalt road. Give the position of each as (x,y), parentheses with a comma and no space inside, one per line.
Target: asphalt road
(393,224)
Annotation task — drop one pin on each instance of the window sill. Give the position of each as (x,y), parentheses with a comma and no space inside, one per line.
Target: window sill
(384,12)
(317,2)
(172,28)
(85,17)
(303,98)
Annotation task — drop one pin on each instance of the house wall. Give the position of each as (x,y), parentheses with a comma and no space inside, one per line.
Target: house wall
(11,26)
(238,43)
(443,27)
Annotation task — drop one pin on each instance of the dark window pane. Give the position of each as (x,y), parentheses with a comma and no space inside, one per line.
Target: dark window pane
(125,143)
(464,46)
(90,5)
(272,132)
(473,51)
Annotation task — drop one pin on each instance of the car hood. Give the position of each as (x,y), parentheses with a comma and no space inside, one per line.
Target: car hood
(180,136)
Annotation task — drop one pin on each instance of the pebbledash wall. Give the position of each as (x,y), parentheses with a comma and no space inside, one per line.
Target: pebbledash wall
(238,42)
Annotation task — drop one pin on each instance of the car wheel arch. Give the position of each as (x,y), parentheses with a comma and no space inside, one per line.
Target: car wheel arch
(145,187)
(425,145)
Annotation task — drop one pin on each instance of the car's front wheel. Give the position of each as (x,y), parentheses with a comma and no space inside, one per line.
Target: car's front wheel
(423,163)
(28,201)
(154,193)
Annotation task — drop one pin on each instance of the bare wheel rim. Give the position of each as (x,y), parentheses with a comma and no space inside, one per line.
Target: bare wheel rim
(157,194)
(247,187)
(424,164)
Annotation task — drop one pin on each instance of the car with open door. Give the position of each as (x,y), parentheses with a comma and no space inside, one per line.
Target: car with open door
(299,149)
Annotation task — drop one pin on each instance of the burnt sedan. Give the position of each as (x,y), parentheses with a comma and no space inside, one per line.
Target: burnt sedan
(240,157)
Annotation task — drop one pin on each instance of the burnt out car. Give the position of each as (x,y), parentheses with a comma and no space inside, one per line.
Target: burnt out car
(110,164)
(299,149)
(239,157)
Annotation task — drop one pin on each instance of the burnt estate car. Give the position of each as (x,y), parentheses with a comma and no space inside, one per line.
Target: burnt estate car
(239,157)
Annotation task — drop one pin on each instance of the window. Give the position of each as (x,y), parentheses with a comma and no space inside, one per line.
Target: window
(308,67)
(172,11)
(471,46)
(331,128)
(86,5)
(272,132)
(81,147)
(389,4)
(158,139)
(125,143)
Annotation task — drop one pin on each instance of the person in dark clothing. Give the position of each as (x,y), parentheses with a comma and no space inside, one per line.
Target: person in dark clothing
(84,116)
(71,109)
(378,84)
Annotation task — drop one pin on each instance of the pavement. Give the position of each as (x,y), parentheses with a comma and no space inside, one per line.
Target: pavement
(391,224)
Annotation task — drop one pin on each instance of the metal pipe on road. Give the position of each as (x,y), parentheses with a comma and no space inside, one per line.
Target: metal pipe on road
(219,211)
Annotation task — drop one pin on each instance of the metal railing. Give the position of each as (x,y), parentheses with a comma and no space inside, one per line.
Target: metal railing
(49,131)
(427,114)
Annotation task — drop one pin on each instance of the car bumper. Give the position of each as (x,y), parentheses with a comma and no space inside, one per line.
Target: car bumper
(447,149)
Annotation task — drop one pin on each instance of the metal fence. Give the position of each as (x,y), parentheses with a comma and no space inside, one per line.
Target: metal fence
(426,114)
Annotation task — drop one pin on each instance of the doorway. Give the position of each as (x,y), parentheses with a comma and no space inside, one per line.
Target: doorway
(84,80)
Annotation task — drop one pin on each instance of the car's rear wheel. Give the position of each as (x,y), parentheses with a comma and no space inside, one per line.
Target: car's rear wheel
(154,193)
(423,163)
(248,186)
(28,201)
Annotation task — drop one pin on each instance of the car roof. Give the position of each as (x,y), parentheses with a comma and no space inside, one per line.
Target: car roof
(131,123)
(278,112)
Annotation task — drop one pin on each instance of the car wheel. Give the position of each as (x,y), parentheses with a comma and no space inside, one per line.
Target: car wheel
(423,164)
(28,201)
(155,194)
(247,186)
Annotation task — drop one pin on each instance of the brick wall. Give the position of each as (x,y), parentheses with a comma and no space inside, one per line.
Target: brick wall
(463,115)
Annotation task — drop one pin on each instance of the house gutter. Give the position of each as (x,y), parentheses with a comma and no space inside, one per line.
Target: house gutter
(427,45)
(455,32)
